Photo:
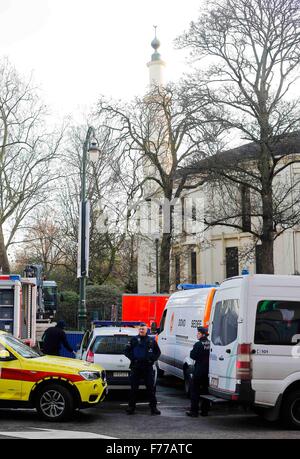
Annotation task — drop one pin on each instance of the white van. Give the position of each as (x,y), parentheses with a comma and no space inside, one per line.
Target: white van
(255,358)
(184,312)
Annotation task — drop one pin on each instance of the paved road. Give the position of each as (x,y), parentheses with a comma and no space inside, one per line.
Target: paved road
(110,420)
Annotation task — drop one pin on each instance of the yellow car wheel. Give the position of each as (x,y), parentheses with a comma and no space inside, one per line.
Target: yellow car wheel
(54,403)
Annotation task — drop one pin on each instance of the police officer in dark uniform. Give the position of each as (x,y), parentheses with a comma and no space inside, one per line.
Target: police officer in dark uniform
(142,351)
(199,383)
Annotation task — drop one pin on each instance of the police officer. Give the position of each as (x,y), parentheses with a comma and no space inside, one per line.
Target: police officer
(142,351)
(199,383)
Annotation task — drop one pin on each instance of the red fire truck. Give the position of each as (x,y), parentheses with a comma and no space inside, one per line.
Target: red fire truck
(146,308)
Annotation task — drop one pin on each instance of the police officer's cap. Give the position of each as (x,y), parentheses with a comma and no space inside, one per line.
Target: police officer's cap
(203,330)
(142,324)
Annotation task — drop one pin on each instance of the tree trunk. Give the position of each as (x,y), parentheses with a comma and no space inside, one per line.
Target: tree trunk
(4,263)
(267,262)
(166,241)
(165,254)
(267,235)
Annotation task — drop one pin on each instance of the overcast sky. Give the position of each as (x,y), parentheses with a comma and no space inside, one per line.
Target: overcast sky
(79,49)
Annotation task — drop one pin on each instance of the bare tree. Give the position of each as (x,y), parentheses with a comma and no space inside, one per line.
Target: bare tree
(42,243)
(253,54)
(163,130)
(110,186)
(27,153)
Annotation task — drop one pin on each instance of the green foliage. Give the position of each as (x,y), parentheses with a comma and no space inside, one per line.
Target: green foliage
(102,301)
(67,308)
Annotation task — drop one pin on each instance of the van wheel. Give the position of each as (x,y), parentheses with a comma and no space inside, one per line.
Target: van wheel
(291,410)
(54,403)
(187,382)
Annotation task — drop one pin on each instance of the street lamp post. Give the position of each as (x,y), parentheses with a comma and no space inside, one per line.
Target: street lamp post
(157,263)
(89,147)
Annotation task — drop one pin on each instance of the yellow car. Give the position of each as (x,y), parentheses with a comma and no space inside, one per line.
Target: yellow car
(55,386)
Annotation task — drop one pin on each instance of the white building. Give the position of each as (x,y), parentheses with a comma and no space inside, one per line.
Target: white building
(217,253)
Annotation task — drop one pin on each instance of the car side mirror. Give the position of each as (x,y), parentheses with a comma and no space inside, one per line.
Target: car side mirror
(5,356)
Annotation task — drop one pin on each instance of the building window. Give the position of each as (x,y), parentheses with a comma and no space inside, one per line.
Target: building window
(177,270)
(183,225)
(258,259)
(194,212)
(232,261)
(194,267)
(245,208)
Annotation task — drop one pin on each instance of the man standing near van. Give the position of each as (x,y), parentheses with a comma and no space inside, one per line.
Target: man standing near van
(54,338)
(142,351)
(199,383)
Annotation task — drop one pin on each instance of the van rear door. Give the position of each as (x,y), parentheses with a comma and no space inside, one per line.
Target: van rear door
(224,342)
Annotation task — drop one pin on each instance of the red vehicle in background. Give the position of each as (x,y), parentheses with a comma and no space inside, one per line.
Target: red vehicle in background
(146,308)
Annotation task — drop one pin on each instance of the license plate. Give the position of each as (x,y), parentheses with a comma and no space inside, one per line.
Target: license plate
(214,382)
(120,374)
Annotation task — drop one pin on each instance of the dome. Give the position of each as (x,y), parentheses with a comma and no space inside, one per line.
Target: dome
(155,43)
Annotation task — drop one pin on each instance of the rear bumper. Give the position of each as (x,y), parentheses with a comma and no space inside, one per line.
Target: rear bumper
(243,393)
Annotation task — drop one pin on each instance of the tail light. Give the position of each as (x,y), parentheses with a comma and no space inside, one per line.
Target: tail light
(90,356)
(243,364)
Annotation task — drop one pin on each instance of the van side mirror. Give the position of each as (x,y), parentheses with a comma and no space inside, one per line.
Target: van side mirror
(158,330)
(153,327)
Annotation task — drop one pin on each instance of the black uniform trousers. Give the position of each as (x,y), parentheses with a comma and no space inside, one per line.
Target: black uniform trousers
(137,375)
(199,386)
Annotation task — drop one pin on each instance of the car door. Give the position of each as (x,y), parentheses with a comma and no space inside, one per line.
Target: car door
(224,344)
(10,376)
(81,353)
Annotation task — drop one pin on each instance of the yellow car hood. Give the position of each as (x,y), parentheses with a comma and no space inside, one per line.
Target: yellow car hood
(61,364)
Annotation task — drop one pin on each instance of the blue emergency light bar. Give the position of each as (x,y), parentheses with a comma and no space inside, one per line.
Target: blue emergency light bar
(194,286)
(110,323)
(10,277)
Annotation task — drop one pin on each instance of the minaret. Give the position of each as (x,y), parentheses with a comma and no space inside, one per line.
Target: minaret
(147,213)
(156,65)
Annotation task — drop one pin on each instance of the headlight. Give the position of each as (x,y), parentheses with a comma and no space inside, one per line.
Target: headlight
(90,375)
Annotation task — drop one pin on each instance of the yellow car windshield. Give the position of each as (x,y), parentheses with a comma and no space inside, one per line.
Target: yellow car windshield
(18,346)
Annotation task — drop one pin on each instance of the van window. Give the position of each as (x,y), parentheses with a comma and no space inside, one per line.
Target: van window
(163,320)
(277,322)
(225,322)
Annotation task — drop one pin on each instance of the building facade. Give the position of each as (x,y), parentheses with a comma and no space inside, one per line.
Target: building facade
(207,255)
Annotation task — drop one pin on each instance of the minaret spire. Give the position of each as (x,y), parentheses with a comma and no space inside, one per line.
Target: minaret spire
(155,45)
(156,65)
